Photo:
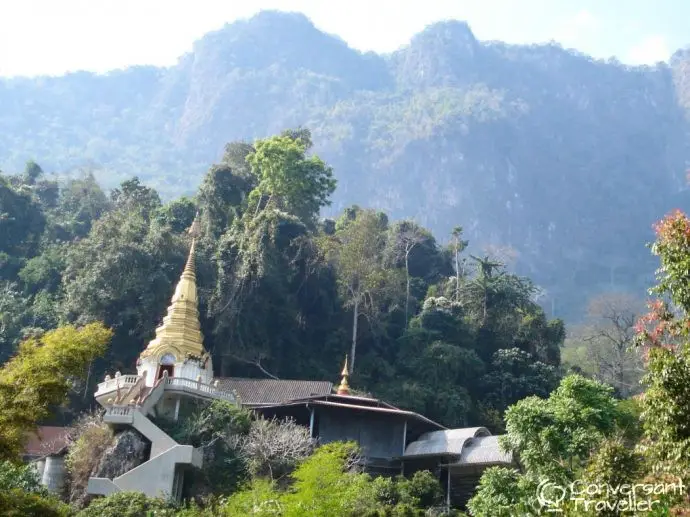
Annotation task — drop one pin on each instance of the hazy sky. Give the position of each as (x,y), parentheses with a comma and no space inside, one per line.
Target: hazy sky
(55,36)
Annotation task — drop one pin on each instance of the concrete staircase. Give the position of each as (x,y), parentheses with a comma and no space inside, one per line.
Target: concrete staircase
(161,474)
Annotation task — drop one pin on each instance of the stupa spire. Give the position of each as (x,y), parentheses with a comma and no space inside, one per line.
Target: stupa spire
(344,388)
(180,332)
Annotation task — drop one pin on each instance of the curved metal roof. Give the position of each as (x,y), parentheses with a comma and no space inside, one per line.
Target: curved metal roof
(484,450)
(450,441)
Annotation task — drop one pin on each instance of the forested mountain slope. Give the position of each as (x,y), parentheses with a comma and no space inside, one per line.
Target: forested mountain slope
(564,160)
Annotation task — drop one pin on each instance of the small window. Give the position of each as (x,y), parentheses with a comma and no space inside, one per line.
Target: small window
(168,359)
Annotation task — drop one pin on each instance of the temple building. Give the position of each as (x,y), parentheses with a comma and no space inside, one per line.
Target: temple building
(175,369)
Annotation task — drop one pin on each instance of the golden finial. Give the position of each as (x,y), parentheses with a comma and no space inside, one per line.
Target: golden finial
(194,230)
(344,388)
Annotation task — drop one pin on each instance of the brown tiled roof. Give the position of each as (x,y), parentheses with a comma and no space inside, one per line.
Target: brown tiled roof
(254,392)
(47,440)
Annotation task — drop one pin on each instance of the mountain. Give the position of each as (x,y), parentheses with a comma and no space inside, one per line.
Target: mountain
(559,161)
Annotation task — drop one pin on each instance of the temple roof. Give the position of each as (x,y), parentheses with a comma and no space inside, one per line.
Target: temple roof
(47,440)
(180,333)
(257,392)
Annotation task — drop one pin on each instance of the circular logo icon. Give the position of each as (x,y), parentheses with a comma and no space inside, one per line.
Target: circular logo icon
(550,495)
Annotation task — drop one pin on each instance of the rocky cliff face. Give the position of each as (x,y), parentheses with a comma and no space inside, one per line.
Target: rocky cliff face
(128,450)
(562,160)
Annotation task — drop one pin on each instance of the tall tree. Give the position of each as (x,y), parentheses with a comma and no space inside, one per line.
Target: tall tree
(298,184)
(405,236)
(663,334)
(356,250)
(459,246)
(81,203)
(605,342)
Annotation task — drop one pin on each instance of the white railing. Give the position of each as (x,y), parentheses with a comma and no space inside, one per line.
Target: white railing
(123,381)
(120,410)
(198,386)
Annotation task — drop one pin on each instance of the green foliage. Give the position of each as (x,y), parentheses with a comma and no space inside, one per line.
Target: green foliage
(18,503)
(40,376)
(502,492)
(614,464)
(122,273)
(128,504)
(82,202)
(21,220)
(322,485)
(178,214)
(21,477)
(216,429)
(297,184)
(422,490)
(554,436)
(664,336)
(329,484)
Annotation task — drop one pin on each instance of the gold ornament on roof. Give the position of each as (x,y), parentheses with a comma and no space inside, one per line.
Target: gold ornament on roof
(344,388)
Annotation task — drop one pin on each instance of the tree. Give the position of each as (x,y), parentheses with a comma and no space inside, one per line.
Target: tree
(663,336)
(132,196)
(607,340)
(21,221)
(553,436)
(514,375)
(40,376)
(32,171)
(298,184)
(492,288)
(127,504)
(552,439)
(81,203)
(405,236)
(224,190)
(356,251)
(459,246)
(273,448)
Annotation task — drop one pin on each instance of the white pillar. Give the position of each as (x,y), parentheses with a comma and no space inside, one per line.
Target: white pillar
(40,466)
(54,473)
(177,408)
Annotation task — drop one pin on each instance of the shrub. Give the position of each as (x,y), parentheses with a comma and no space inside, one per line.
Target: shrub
(422,490)
(273,448)
(91,438)
(18,503)
(22,477)
(128,504)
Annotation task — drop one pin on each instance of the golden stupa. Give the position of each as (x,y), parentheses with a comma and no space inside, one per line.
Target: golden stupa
(180,333)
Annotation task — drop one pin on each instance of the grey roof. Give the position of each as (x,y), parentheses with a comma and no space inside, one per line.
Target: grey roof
(349,405)
(484,450)
(438,443)
(254,392)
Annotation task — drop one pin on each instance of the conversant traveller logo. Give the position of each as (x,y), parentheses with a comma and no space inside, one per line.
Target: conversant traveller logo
(599,497)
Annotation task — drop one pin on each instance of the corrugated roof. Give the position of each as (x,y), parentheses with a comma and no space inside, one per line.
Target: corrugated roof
(357,407)
(484,450)
(47,440)
(256,392)
(450,441)
(350,400)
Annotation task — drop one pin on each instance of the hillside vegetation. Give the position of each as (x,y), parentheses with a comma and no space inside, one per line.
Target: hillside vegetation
(556,162)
